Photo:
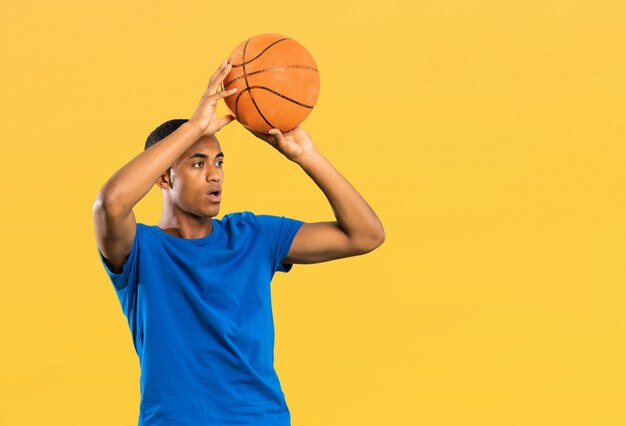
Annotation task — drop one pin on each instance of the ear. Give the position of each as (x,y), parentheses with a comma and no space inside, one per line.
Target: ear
(165,180)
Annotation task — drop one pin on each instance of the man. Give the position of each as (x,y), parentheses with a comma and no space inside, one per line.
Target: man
(195,290)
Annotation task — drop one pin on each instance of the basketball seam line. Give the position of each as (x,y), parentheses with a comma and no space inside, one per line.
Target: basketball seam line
(243,57)
(243,63)
(278,68)
(278,94)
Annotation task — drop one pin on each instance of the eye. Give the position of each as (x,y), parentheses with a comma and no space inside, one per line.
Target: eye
(219,163)
(198,162)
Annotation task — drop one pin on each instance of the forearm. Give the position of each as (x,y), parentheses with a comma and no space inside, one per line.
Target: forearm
(133,181)
(354,215)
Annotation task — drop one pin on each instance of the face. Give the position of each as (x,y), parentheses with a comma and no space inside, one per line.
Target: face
(194,183)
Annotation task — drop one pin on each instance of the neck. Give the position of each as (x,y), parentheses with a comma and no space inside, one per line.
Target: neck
(184,225)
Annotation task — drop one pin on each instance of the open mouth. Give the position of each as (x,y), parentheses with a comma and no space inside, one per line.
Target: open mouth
(215,196)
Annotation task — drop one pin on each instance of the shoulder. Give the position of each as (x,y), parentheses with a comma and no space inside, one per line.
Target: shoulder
(143,227)
(238,216)
(262,223)
(239,222)
(142,230)
(147,235)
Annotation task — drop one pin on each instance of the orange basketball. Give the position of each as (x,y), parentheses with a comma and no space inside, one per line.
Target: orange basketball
(277,83)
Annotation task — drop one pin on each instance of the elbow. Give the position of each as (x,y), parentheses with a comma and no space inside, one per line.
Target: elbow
(378,239)
(106,202)
(372,241)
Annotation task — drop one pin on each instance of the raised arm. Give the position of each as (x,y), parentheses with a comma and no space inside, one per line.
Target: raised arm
(114,220)
(357,229)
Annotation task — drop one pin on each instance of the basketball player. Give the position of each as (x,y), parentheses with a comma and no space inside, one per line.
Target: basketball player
(195,289)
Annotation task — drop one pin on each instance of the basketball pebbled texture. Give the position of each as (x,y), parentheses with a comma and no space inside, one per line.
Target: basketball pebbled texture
(277,83)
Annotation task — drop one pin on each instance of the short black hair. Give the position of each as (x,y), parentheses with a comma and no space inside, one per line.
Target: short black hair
(163,131)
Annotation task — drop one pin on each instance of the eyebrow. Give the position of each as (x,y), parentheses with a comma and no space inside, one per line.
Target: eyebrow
(204,156)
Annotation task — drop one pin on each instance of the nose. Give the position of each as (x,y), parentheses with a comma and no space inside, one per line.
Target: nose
(214,174)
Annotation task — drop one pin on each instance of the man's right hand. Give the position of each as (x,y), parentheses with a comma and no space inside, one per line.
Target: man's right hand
(204,117)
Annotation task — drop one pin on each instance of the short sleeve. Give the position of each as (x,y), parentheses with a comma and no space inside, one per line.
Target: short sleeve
(280,232)
(129,269)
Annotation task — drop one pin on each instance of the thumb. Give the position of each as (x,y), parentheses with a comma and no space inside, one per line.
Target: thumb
(225,120)
(278,135)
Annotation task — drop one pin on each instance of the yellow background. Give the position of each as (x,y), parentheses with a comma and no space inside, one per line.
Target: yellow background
(487,135)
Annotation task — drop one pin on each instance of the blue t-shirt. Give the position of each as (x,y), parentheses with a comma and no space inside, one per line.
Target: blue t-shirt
(200,314)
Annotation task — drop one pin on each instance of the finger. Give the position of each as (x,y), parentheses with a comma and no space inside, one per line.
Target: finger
(264,136)
(225,120)
(218,77)
(217,72)
(222,94)
(277,134)
(211,100)
(211,84)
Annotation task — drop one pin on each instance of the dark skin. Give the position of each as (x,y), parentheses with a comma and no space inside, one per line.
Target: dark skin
(188,209)
(186,204)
